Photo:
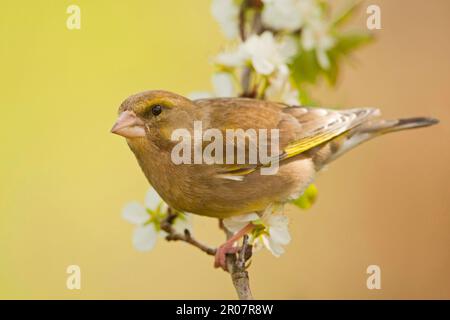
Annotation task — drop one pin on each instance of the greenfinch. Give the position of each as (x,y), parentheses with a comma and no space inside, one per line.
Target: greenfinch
(308,139)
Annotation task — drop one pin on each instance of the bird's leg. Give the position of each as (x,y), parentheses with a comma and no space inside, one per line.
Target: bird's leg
(227,247)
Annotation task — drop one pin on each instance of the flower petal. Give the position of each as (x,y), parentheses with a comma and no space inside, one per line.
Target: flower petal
(308,41)
(183,222)
(135,213)
(236,223)
(282,14)
(280,88)
(278,220)
(280,235)
(226,12)
(275,248)
(249,217)
(257,244)
(234,226)
(200,95)
(152,199)
(323,59)
(234,58)
(223,84)
(262,65)
(162,234)
(288,47)
(144,237)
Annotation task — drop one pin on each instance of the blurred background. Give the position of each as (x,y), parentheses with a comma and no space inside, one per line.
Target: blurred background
(64,178)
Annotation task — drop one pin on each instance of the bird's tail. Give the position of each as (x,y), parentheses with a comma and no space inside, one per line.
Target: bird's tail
(372,129)
(379,127)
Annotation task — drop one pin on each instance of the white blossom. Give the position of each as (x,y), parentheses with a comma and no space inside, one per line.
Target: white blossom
(144,237)
(223,86)
(236,223)
(195,95)
(226,12)
(266,54)
(271,230)
(316,36)
(276,235)
(263,52)
(135,213)
(280,88)
(183,222)
(233,58)
(147,218)
(289,15)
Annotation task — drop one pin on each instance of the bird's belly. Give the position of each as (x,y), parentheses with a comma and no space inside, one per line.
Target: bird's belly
(221,198)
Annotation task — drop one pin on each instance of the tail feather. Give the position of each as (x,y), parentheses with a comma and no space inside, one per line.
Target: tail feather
(369,130)
(385,126)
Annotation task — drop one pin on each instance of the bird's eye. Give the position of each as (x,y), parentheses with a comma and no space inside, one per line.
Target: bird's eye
(156,109)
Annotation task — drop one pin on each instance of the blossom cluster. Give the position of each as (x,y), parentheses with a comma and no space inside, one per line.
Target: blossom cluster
(147,219)
(269,48)
(277,47)
(270,231)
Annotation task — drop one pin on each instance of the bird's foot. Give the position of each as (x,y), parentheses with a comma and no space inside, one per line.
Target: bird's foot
(221,254)
(229,248)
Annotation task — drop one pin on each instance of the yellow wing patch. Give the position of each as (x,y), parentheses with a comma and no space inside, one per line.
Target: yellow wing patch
(307,143)
(323,126)
(334,125)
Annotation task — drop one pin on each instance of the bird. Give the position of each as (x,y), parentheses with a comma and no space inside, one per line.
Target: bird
(309,138)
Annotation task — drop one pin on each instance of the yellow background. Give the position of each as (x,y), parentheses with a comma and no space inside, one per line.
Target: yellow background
(64,178)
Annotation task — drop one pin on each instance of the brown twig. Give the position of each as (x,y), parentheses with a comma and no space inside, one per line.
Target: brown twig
(242,20)
(245,83)
(239,274)
(256,28)
(236,268)
(172,235)
(235,262)
(246,72)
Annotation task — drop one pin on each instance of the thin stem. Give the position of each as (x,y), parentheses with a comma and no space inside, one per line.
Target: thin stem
(172,235)
(256,28)
(242,20)
(237,269)
(245,82)
(235,262)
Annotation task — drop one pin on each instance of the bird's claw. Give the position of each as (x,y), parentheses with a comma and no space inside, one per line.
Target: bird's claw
(221,252)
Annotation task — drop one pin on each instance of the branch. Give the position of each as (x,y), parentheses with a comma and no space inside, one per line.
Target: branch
(245,83)
(236,263)
(237,269)
(172,235)
(256,27)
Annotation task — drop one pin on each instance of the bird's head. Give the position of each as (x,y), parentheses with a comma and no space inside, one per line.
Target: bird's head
(153,115)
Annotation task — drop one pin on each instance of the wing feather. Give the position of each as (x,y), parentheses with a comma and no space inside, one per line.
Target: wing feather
(300,128)
(322,125)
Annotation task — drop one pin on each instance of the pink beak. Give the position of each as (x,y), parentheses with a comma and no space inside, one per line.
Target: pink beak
(129,125)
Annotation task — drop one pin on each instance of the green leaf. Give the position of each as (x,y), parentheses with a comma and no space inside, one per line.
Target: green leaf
(305,98)
(332,73)
(346,14)
(348,42)
(345,44)
(308,198)
(324,6)
(305,67)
